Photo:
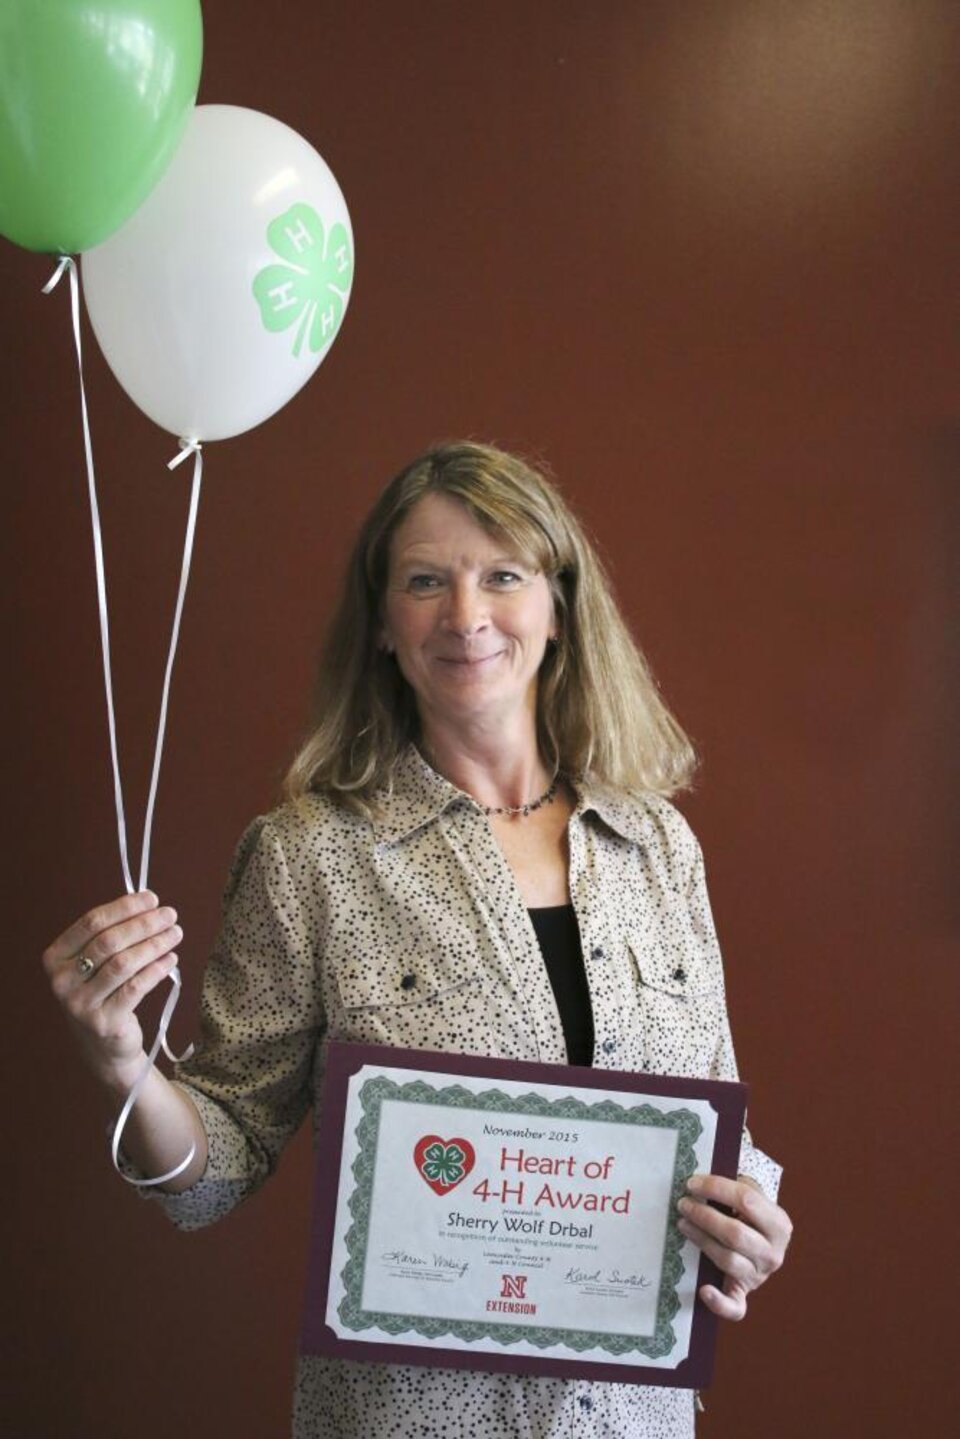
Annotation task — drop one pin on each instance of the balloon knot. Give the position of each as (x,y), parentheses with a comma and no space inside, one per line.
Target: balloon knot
(187,447)
(67,262)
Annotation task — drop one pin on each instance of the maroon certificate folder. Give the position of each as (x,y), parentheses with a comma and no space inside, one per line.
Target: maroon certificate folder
(493,1214)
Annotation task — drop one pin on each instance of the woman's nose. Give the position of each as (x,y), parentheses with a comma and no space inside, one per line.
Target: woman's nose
(466,610)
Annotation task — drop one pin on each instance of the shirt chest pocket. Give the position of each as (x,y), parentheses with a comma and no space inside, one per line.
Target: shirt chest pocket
(430,998)
(679,992)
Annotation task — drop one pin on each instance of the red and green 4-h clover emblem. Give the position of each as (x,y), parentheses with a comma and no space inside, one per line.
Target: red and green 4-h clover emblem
(443,1163)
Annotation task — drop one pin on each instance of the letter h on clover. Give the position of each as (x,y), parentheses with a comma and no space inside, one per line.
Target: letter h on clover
(312,284)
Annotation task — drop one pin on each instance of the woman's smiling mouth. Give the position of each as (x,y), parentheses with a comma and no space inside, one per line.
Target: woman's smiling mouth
(468,661)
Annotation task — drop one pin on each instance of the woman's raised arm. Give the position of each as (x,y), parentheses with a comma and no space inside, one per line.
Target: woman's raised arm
(100,968)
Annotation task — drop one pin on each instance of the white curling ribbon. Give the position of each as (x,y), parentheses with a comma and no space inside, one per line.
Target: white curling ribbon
(173,999)
(67,264)
(188,447)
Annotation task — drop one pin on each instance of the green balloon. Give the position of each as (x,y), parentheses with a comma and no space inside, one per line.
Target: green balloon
(94,97)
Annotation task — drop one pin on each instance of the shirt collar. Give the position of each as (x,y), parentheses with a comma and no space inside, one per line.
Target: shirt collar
(628,815)
(419,795)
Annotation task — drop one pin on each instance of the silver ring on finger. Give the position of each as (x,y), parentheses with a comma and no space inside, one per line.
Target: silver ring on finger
(85,967)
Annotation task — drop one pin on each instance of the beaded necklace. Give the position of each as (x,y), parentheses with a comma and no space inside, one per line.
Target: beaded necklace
(523,810)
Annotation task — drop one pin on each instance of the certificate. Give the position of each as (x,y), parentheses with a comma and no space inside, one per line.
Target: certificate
(500,1215)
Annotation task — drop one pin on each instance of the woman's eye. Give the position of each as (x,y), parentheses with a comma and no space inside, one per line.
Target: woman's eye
(505,578)
(423,582)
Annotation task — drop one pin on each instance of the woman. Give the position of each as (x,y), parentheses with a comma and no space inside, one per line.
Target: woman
(476,855)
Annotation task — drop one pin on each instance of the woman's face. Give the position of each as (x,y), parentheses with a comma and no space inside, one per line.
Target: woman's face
(466,616)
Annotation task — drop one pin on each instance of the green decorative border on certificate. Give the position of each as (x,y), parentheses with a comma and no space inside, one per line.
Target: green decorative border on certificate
(372,1095)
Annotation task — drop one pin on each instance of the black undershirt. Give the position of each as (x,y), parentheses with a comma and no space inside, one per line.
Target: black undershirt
(559,938)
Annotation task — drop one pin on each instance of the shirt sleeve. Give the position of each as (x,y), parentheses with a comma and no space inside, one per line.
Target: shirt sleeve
(753,1163)
(251,1077)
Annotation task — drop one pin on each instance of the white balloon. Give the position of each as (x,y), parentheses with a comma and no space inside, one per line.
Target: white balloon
(220,296)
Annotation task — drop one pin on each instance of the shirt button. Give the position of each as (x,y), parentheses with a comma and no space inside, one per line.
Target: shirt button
(408,981)
(598,953)
(679,974)
(585,1401)
(609,1045)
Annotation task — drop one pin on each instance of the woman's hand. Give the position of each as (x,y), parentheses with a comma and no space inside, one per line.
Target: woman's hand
(101,968)
(748,1245)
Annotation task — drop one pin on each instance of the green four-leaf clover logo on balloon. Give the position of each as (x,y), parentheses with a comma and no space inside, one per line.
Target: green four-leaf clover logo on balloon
(310,288)
(443,1163)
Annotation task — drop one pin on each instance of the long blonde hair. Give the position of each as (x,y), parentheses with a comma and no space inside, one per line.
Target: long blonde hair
(599,713)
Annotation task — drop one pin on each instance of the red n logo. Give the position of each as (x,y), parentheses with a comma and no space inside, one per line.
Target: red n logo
(514,1286)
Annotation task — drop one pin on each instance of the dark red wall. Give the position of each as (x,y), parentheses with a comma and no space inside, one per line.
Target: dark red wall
(703,257)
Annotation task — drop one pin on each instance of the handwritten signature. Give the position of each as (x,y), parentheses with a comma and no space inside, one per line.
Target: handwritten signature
(400,1256)
(613,1276)
(439,1261)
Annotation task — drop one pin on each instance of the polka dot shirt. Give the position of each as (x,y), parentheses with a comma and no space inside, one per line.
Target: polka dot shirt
(410,930)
